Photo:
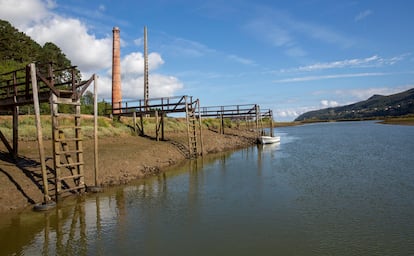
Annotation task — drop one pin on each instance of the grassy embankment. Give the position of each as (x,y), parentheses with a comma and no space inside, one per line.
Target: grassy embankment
(106,126)
(409,120)
(110,128)
(403,120)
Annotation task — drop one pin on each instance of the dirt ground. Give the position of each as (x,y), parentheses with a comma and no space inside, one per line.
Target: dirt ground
(121,159)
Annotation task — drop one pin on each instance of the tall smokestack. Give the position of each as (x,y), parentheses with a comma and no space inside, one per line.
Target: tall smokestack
(116,71)
(146,86)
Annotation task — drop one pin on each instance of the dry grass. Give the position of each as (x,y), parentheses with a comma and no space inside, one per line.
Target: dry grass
(409,120)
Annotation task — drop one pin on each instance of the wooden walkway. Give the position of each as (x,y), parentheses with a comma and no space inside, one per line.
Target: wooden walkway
(250,113)
(159,108)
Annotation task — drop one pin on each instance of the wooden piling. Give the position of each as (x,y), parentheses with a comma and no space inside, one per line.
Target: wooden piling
(95,127)
(39,132)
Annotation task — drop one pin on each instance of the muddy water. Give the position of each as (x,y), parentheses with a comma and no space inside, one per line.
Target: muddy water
(327,189)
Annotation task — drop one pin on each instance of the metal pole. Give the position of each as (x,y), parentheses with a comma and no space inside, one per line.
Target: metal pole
(39,132)
(146,71)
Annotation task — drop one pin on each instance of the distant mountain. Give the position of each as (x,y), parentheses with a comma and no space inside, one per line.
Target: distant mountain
(377,106)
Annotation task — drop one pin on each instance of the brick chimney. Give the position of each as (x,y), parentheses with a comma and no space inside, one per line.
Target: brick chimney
(116,71)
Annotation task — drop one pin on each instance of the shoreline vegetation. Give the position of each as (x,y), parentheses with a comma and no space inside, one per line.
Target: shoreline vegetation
(123,156)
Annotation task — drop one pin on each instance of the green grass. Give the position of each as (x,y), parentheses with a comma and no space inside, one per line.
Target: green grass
(27,127)
(110,128)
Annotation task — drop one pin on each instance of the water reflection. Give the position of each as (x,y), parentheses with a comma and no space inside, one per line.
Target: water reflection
(352,197)
(70,228)
(264,151)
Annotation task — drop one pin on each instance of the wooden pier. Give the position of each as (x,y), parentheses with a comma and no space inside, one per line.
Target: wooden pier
(250,113)
(63,89)
(159,108)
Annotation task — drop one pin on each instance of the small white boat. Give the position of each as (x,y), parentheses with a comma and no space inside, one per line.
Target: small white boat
(269,139)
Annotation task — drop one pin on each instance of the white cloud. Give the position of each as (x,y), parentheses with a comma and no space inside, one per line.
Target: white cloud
(82,48)
(21,12)
(159,86)
(132,83)
(363,15)
(133,63)
(188,48)
(372,61)
(296,52)
(240,59)
(365,93)
(324,77)
(339,64)
(139,41)
(329,103)
(281,29)
(89,53)
(101,8)
(269,31)
(288,114)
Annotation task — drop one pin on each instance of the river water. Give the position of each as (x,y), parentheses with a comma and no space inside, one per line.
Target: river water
(326,189)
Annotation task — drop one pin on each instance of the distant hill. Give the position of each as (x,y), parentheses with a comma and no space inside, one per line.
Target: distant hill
(377,106)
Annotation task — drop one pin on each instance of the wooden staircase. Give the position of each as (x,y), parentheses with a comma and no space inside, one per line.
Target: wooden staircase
(67,145)
(195,145)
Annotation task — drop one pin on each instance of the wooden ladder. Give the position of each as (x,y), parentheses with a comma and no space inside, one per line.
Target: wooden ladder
(67,145)
(192,124)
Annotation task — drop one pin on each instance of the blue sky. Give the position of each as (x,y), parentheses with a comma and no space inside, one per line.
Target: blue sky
(289,56)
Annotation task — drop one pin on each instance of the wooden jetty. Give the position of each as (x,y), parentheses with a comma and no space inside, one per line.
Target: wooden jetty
(63,89)
(159,108)
(250,113)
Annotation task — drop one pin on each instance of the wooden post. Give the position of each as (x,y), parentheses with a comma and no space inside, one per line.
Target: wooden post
(257,119)
(222,123)
(95,126)
(200,125)
(162,119)
(39,132)
(54,111)
(188,126)
(15,118)
(162,126)
(15,131)
(271,122)
(134,122)
(142,125)
(156,125)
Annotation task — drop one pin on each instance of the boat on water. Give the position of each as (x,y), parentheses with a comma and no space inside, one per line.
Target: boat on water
(268,139)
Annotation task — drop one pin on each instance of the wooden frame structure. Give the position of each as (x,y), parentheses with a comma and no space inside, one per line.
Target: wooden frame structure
(32,86)
(159,108)
(246,112)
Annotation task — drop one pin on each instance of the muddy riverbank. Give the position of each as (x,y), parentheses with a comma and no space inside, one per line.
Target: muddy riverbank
(121,160)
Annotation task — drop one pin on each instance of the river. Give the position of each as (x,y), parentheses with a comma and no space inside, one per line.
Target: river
(326,189)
